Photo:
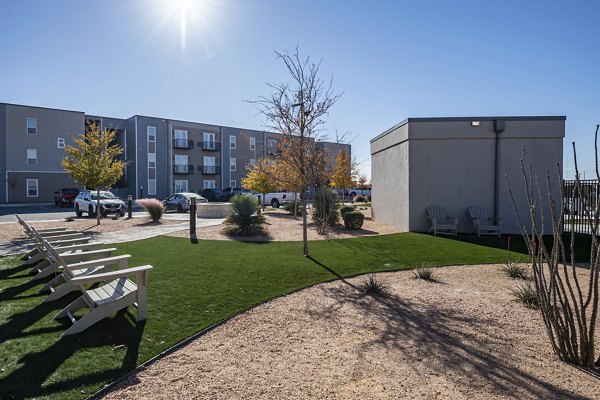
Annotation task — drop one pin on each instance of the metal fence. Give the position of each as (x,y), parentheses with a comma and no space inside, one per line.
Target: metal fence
(580,203)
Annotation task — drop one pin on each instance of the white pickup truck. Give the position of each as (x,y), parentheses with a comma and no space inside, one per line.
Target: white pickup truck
(275,199)
(357,192)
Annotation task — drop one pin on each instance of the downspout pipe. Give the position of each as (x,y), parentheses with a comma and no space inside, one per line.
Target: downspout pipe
(499,127)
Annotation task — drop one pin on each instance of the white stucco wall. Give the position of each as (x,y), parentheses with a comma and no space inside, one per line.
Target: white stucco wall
(449,162)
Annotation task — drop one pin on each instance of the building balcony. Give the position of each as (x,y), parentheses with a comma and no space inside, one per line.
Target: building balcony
(210,169)
(210,146)
(183,144)
(183,169)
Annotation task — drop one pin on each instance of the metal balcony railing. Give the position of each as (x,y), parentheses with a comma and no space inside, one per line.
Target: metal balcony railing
(209,169)
(183,144)
(183,169)
(210,146)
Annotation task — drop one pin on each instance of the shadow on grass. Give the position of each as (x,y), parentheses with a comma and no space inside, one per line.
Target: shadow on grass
(30,379)
(429,337)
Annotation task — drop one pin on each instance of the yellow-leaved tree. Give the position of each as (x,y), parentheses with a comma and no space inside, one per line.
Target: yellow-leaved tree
(343,171)
(260,178)
(93,161)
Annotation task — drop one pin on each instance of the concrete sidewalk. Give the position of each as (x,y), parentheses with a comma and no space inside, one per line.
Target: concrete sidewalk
(126,235)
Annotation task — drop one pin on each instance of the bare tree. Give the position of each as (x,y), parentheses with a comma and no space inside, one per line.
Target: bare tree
(569,306)
(298,110)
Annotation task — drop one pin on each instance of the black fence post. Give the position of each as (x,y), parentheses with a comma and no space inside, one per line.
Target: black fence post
(129,206)
(193,216)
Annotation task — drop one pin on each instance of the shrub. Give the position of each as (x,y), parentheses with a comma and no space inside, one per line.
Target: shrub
(70,218)
(425,273)
(243,219)
(354,220)
(154,207)
(373,286)
(345,209)
(527,295)
(359,199)
(293,205)
(514,270)
(325,209)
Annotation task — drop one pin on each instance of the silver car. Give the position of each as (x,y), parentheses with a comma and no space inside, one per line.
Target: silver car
(180,202)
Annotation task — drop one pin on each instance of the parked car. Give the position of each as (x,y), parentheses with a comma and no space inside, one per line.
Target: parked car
(234,191)
(275,199)
(180,202)
(86,202)
(65,196)
(214,195)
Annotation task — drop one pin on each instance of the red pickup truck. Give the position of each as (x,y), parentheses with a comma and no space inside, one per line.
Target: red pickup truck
(65,196)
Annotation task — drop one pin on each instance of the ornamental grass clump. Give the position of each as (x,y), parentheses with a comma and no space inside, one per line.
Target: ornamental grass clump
(154,208)
(243,219)
(425,273)
(527,295)
(374,287)
(514,270)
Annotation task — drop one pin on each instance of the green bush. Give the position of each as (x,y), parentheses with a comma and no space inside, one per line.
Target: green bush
(326,211)
(353,220)
(243,221)
(293,205)
(345,209)
(359,199)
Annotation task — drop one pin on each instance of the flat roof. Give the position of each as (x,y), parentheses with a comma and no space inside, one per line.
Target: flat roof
(458,119)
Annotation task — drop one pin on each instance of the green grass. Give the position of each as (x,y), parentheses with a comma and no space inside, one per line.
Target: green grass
(191,287)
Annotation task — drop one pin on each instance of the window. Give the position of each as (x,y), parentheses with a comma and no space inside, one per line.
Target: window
(60,143)
(32,127)
(232,142)
(151,133)
(209,184)
(252,143)
(271,143)
(233,183)
(32,188)
(31,156)
(151,160)
(232,164)
(181,186)
(209,140)
(181,134)
(210,165)
(252,161)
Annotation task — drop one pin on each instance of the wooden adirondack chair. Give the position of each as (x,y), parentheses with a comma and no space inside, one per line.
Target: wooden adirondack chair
(440,223)
(107,299)
(483,224)
(38,254)
(77,265)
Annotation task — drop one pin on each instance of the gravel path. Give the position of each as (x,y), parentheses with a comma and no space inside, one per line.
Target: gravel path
(462,338)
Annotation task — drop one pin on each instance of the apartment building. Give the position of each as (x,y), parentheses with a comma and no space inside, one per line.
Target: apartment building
(163,156)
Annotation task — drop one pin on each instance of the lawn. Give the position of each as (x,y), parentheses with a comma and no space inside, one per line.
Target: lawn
(192,287)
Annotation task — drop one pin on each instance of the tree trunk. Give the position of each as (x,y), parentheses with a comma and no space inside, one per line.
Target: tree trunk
(304,223)
(97,206)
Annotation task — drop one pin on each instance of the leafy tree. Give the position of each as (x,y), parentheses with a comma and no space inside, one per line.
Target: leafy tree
(260,178)
(297,110)
(343,171)
(362,181)
(93,162)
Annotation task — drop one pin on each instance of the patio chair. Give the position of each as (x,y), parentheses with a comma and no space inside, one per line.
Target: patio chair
(440,223)
(483,224)
(77,265)
(46,268)
(107,299)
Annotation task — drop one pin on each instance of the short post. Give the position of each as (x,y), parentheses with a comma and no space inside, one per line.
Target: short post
(129,206)
(259,204)
(193,216)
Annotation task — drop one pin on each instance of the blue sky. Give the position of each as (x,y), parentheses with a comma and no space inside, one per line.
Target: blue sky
(391,60)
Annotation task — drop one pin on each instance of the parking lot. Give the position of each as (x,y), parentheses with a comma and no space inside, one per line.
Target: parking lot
(42,212)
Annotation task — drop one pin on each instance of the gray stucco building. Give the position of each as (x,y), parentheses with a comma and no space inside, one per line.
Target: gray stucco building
(461,162)
(164,156)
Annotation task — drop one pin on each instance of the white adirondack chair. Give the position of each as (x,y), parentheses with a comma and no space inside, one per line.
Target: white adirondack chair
(77,265)
(107,299)
(440,223)
(483,224)
(38,254)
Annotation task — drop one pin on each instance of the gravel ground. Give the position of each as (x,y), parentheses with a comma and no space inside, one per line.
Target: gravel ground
(462,338)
